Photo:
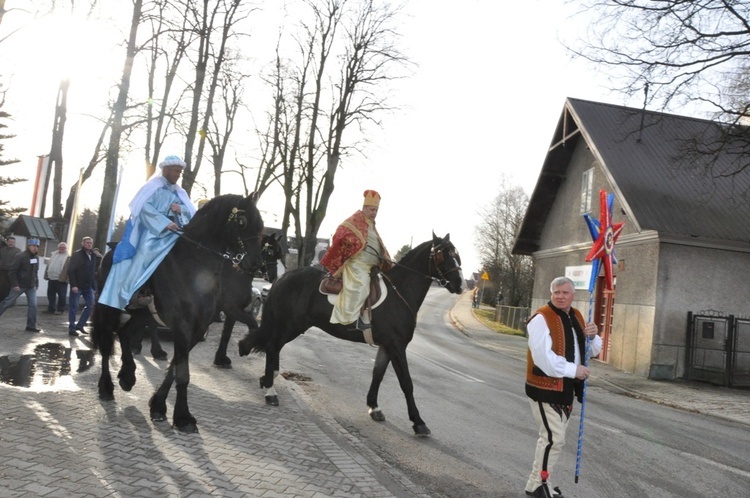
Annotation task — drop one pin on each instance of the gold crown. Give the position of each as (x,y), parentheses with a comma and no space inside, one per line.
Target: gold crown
(372,198)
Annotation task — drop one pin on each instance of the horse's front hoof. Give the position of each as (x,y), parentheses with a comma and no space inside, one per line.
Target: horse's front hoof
(223,362)
(377,415)
(159,355)
(106,396)
(188,428)
(158,416)
(272,400)
(421,430)
(126,386)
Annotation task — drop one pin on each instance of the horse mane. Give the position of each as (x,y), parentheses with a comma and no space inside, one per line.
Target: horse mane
(208,221)
(410,257)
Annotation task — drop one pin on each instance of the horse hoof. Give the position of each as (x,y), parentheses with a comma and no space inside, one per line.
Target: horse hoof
(126,386)
(158,417)
(223,362)
(272,400)
(160,355)
(377,415)
(106,396)
(421,430)
(190,428)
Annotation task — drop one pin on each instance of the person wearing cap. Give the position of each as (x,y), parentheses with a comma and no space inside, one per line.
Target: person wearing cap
(57,286)
(24,279)
(355,249)
(157,212)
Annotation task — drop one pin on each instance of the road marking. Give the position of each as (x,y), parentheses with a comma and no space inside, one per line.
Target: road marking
(449,369)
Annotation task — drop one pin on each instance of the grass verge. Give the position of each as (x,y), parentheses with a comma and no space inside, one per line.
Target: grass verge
(487,317)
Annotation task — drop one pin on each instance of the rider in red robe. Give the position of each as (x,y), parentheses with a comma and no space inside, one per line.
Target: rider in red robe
(355,248)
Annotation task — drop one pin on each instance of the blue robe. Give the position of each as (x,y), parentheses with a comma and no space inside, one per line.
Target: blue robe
(145,244)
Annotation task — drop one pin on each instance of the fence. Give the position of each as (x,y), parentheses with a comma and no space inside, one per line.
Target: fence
(512,316)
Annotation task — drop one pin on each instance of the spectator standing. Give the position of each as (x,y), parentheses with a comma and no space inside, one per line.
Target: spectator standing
(57,289)
(82,279)
(7,254)
(24,279)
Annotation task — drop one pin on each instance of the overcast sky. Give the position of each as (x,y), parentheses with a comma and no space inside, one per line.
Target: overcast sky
(489,87)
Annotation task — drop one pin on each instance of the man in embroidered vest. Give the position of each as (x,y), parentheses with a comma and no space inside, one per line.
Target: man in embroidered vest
(356,248)
(554,375)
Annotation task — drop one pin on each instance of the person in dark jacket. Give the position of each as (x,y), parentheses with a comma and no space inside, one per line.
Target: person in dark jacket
(82,280)
(24,279)
(8,252)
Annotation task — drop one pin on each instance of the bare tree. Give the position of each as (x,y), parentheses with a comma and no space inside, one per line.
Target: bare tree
(208,25)
(683,51)
(509,273)
(680,54)
(113,151)
(346,56)
(5,210)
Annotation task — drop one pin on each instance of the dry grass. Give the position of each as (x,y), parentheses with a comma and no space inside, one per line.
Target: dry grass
(487,317)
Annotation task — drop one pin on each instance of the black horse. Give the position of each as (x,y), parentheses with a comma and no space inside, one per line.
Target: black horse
(295,304)
(185,287)
(235,295)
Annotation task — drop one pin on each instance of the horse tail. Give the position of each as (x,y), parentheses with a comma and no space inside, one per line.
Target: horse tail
(258,340)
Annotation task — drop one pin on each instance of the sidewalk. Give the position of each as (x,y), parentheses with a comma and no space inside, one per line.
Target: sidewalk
(58,440)
(698,397)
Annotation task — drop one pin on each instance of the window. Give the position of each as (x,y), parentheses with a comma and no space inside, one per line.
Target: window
(587,187)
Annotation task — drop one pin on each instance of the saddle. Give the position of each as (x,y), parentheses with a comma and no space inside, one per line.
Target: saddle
(144,298)
(331,286)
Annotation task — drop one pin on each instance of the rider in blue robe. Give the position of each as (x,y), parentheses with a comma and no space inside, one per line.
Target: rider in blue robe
(157,212)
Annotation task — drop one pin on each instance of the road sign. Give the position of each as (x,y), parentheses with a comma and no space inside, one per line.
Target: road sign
(485,276)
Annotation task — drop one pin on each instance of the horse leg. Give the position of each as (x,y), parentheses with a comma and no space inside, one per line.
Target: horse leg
(272,370)
(221,359)
(401,367)
(182,420)
(156,350)
(137,341)
(158,402)
(126,375)
(106,320)
(381,364)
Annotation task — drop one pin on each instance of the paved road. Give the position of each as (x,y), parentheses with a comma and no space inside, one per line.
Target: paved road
(57,439)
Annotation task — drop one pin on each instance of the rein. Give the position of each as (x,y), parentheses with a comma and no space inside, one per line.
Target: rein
(436,258)
(236,216)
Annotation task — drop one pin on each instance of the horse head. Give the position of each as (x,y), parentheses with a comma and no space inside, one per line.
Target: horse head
(234,226)
(445,264)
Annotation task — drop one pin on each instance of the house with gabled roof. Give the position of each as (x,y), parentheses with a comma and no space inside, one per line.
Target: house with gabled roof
(684,251)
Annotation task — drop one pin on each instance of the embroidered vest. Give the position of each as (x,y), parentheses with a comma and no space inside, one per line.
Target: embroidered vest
(541,387)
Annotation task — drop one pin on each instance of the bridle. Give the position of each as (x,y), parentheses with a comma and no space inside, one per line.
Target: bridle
(437,258)
(236,216)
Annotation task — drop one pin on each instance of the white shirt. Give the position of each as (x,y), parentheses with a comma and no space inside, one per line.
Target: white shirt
(540,345)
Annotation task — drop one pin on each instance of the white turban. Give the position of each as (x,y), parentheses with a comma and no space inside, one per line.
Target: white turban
(172,161)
